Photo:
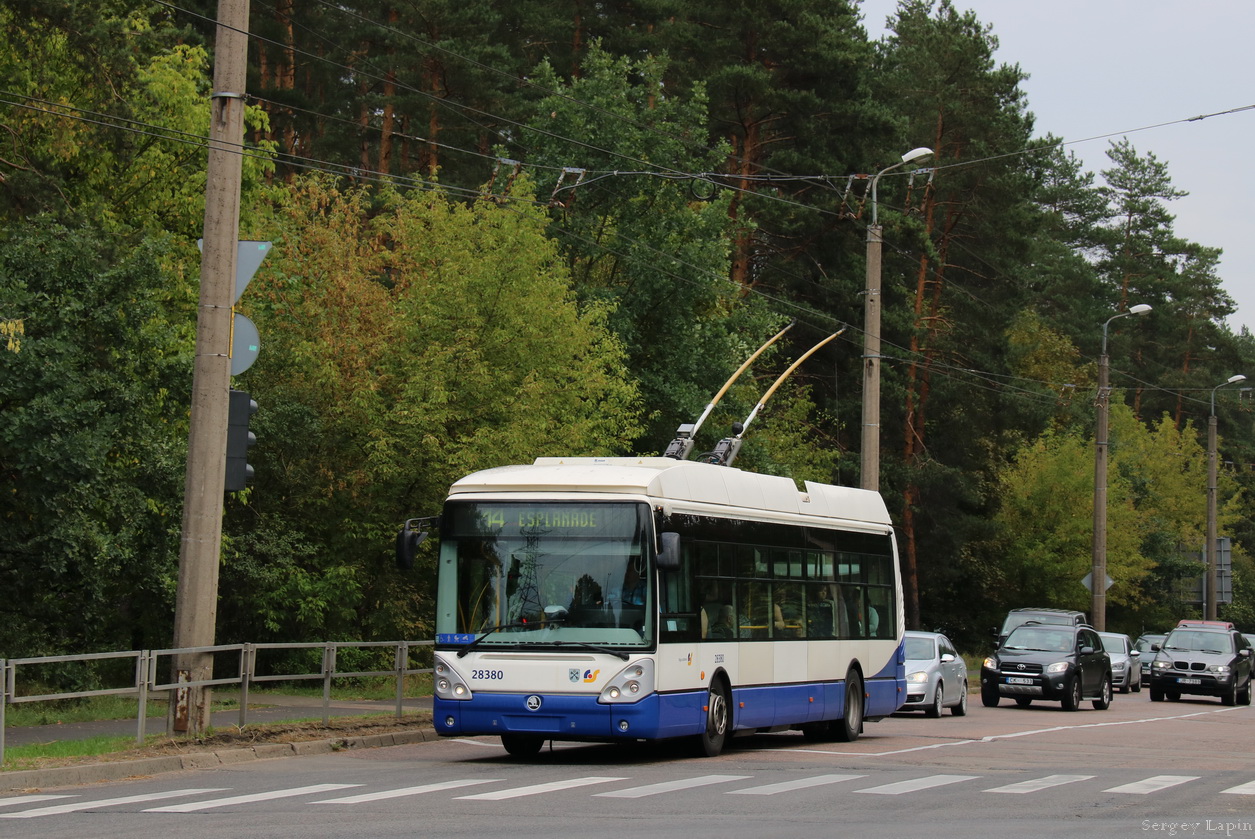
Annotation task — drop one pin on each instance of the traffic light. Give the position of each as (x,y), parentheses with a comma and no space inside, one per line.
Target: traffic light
(239,440)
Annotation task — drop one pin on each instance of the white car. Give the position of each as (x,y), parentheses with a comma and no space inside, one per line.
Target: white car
(936,675)
(1126,666)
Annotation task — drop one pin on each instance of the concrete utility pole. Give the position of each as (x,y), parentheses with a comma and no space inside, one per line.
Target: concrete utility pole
(196,604)
(869,457)
(1211,588)
(1098,571)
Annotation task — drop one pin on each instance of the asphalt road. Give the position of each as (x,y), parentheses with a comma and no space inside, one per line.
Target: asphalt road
(1140,768)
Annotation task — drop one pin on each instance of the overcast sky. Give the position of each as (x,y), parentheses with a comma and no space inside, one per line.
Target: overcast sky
(1107,69)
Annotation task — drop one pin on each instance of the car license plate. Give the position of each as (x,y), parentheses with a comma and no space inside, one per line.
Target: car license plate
(1018,680)
(1184,681)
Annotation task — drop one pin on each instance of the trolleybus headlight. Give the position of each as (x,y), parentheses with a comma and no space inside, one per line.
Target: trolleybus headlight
(630,684)
(449,682)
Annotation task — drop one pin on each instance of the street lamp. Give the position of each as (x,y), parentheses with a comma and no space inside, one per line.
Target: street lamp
(1098,575)
(1210,588)
(869,469)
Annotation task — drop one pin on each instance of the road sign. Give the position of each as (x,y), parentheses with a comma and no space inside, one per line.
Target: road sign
(245,343)
(1088,582)
(248,257)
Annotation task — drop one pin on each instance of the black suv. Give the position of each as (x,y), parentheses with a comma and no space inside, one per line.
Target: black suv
(1048,661)
(1210,658)
(1018,617)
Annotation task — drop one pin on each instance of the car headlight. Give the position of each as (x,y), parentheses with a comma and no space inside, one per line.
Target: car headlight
(1057,667)
(990,663)
(1219,669)
(1161,665)
(918,677)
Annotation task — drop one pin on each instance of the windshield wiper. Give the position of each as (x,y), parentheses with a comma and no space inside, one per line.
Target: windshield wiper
(462,652)
(582,645)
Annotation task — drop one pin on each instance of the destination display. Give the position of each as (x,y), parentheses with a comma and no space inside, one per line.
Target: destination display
(603,521)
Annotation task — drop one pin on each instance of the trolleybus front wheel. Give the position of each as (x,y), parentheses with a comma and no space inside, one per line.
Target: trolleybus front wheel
(718,719)
(850,726)
(522,745)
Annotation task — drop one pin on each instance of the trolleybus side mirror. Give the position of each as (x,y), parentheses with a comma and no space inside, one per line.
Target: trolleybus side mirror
(668,550)
(412,534)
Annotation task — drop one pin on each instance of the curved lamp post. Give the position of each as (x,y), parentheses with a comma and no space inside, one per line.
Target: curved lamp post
(1211,589)
(1098,576)
(869,467)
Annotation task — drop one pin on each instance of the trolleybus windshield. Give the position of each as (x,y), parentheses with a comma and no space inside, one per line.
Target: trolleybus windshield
(547,574)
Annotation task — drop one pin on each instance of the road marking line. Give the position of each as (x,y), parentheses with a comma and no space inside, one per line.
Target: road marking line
(58,809)
(250,799)
(404,791)
(789,786)
(671,786)
(537,789)
(1041,783)
(479,743)
(918,784)
(1243,789)
(30,799)
(1153,784)
(1010,736)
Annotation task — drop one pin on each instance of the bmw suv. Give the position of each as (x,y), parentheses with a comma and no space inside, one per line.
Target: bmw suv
(1066,664)
(1206,658)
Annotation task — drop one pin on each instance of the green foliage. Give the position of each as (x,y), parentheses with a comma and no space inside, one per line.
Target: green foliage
(1155,510)
(640,247)
(411,340)
(92,434)
(73,69)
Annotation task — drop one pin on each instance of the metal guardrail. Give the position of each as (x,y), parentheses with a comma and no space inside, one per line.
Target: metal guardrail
(146,670)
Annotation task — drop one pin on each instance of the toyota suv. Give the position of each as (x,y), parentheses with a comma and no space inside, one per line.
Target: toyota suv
(1206,658)
(1054,662)
(1017,617)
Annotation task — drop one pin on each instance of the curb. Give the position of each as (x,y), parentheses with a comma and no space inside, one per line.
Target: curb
(93,773)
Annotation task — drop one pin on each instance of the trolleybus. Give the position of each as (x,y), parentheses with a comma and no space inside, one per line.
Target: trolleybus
(650,598)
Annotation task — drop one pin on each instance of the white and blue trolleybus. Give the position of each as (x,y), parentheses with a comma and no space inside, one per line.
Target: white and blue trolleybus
(650,598)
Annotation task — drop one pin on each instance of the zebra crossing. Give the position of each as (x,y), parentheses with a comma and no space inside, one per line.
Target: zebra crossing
(211,798)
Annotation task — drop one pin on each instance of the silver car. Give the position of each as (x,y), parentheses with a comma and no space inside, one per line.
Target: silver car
(1126,666)
(936,675)
(1147,646)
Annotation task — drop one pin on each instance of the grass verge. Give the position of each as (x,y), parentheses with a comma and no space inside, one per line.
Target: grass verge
(98,749)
